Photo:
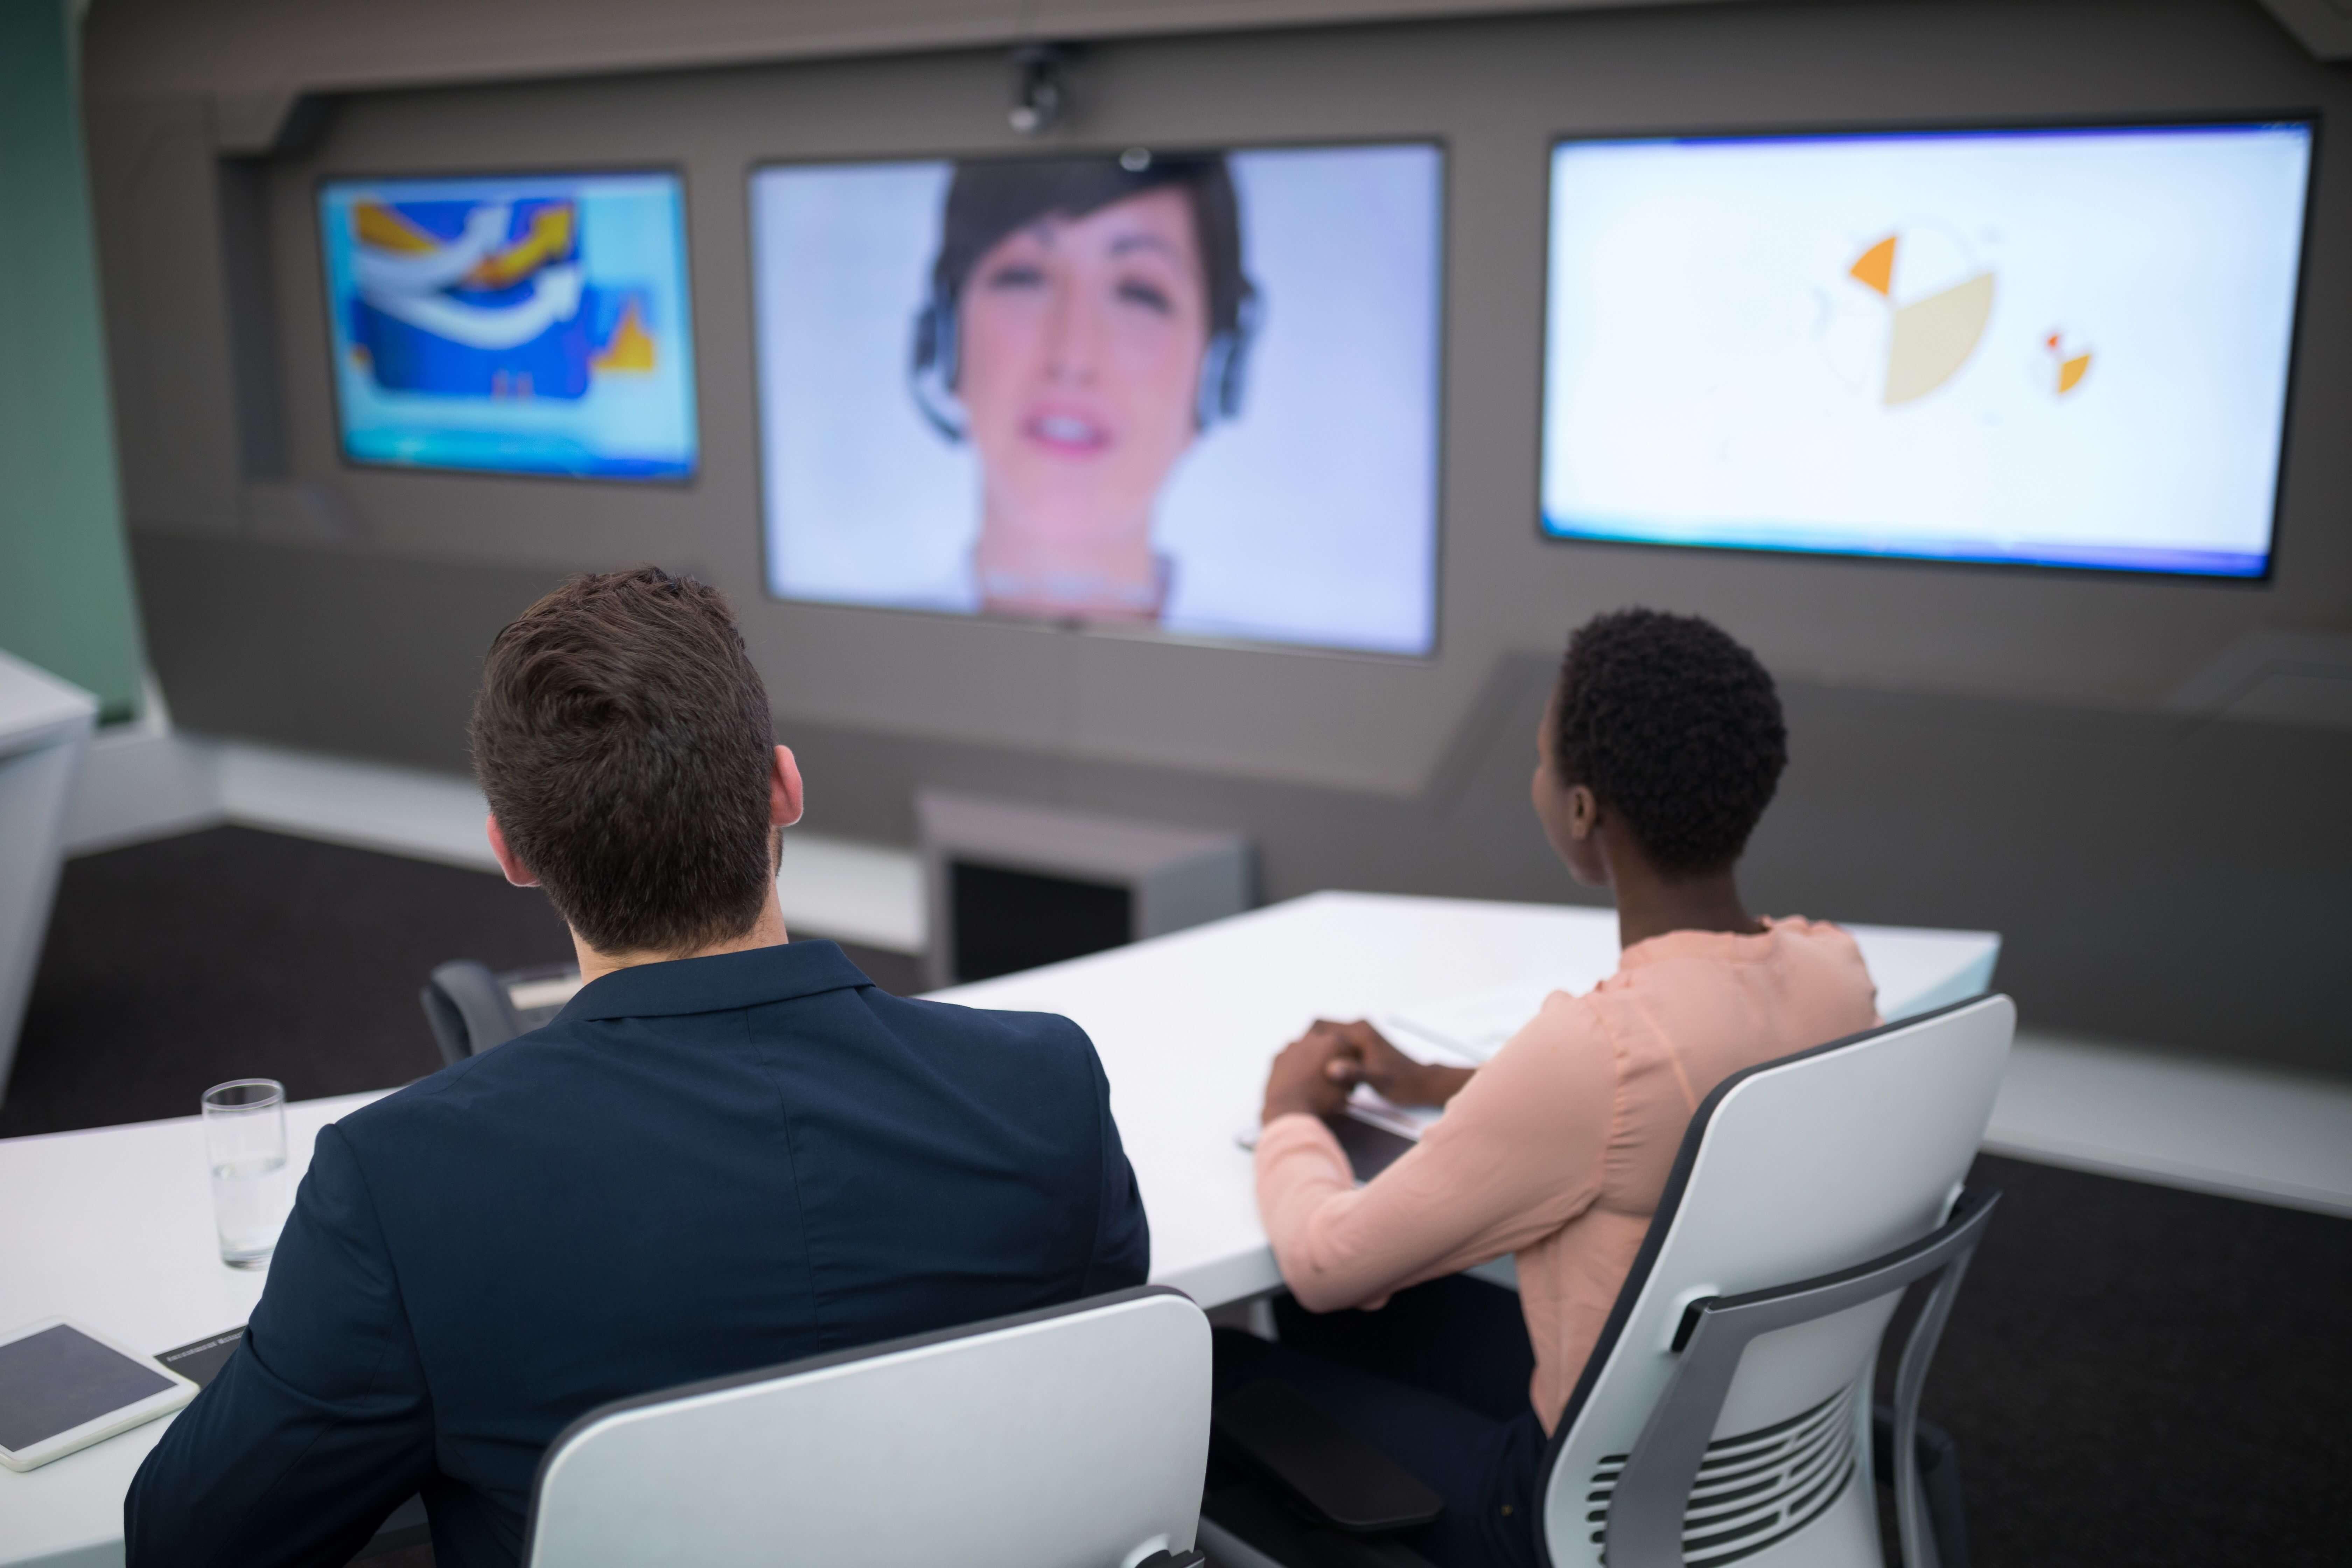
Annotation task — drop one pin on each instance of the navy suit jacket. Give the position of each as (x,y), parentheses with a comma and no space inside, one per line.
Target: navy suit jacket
(696,1168)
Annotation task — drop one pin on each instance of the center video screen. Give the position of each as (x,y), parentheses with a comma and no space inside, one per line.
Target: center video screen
(527,325)
(2064,347)
(1187,392)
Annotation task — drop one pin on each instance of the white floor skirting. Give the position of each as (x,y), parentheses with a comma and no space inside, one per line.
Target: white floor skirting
(2215,1127)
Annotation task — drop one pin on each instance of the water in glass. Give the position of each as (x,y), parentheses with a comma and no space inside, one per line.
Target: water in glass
(250,1206)
(245,1141)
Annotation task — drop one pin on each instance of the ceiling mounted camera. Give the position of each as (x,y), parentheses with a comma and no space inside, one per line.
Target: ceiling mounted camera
(1040,90)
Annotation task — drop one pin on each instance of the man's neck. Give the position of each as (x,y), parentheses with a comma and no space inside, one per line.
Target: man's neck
(768,930)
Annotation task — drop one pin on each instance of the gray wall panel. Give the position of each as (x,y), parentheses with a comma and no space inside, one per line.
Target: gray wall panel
(1976,746)
(327,650)
(1496,92)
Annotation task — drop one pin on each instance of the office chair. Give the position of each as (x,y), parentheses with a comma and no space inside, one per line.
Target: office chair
(1726,1414)
(471,1009)
(1072,1437)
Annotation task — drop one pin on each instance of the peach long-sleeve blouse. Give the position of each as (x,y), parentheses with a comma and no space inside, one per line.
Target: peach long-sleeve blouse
(1558,1150)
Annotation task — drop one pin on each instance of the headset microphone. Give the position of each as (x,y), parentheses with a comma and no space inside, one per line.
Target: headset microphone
(931,370)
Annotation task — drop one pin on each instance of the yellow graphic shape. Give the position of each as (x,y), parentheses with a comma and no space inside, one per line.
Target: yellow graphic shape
(1933,337)
(2071,371)
(631,348)
(380,227)
(1875,267)
(550,235)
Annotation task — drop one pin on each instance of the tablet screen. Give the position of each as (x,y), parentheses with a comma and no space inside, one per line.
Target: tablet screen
(60,1378)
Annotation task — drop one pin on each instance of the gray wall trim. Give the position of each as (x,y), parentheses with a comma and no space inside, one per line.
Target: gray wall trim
(244,53)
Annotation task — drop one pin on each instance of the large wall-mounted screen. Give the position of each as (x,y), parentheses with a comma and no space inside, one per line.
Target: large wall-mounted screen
(534,325)
(1191,391)
(2056,347)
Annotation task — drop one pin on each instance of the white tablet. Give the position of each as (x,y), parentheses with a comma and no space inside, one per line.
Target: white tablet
(63,1387)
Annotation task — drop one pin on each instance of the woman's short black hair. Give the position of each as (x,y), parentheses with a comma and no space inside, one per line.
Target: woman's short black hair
(1674,724)
(991,197)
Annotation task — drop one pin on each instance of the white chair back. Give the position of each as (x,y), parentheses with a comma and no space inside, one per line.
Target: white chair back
(1072,1438)
(1797,1169)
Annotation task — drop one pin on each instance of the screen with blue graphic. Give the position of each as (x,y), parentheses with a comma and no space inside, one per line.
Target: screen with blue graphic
(2060,347)
(534,325)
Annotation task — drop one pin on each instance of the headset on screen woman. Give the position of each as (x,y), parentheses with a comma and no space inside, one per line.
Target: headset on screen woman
(931,374)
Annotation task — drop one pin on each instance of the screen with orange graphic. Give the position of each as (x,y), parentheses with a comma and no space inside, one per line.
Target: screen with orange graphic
(534,325)
(2064,347)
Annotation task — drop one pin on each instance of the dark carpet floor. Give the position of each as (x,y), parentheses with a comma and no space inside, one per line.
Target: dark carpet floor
(2133,1374)
(2140,1376)
(178,964)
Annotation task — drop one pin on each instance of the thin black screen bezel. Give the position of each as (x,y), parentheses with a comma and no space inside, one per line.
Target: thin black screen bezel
(2309,119)
(1151,635)
(675,173)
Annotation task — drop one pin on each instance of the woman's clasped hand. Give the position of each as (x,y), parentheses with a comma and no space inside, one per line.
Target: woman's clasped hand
(1315,1073)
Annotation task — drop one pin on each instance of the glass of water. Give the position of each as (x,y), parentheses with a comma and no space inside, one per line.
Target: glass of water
(245,1141)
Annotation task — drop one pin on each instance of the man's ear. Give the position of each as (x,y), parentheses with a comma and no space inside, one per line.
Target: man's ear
(784,789)
(516,873)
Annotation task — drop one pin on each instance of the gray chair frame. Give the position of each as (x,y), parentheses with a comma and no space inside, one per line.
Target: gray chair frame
(1659,1485)
(471,1009)
(468,1010)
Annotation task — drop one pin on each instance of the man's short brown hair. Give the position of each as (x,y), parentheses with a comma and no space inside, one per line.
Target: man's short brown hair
(625,743)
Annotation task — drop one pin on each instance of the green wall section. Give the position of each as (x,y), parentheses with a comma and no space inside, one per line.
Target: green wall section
(66,601)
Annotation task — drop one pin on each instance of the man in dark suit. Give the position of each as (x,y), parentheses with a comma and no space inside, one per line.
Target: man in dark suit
(724,1153)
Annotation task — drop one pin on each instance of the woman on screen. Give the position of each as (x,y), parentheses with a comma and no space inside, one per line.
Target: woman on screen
(1087,321)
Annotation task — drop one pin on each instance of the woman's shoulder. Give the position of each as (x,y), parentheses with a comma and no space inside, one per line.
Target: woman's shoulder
(1823,935)
(1792,945)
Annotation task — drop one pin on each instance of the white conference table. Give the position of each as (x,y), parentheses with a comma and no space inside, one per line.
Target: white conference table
(113,1226)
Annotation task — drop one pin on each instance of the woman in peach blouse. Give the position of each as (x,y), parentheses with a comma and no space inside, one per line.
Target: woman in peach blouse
(1658,753)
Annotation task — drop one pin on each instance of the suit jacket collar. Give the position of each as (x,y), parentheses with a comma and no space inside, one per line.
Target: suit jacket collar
(717,984)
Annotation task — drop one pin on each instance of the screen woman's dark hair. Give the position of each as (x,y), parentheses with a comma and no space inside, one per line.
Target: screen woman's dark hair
(989,198)
(1671,722)
(625,741)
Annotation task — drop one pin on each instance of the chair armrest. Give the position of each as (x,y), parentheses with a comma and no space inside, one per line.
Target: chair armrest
(1343,1481)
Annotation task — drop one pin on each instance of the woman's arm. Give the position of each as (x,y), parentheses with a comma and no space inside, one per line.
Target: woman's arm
(1516,1155)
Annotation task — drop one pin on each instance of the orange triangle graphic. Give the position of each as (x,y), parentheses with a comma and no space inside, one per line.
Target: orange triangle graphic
(631,347)
(1876,266)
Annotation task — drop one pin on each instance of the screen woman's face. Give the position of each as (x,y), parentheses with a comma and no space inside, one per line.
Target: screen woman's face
(1080,360)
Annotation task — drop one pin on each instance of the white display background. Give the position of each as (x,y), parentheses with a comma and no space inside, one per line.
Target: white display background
(1310,520)
(1713,375)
